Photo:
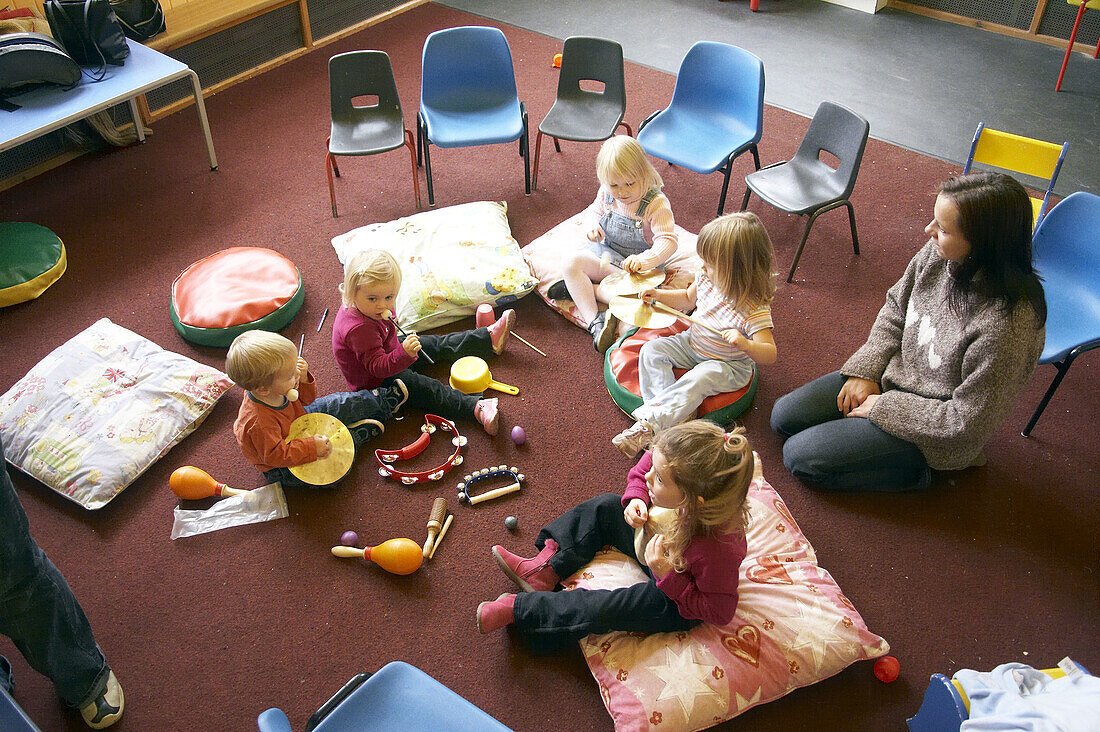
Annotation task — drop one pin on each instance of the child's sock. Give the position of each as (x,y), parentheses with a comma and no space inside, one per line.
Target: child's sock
(496,614)
(487,415)
(500,330)
(532,574)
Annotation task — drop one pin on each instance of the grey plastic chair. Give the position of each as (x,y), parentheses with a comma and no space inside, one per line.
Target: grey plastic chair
(585,115)
(806,184)
(365,130)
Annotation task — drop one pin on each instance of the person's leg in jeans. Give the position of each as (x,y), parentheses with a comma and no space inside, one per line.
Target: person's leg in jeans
(432,395)
(827,449)
(449,347)
(39,612)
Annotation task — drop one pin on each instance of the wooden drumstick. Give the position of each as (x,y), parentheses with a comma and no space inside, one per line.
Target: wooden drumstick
(496,493)
(435,523)
(388,314)
(442,533)
(673,311)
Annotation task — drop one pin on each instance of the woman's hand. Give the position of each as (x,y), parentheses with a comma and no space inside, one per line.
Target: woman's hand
(864,409)
(636,513)
(656,558)
(411,344)
(854,393)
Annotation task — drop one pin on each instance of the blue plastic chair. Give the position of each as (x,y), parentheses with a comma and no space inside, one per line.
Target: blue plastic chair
(1066,253)
(716,113)
(397,697)
(468,96)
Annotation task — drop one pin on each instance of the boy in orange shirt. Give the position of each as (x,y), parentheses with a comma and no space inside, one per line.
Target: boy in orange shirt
(281,389)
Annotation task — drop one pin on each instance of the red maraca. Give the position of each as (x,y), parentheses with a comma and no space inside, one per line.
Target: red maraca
(399,556)
(194,483)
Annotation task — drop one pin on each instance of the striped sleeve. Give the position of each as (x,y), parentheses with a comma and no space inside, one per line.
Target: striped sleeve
(658,215)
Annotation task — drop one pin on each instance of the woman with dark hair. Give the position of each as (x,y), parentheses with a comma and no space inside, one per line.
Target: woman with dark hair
(956,341)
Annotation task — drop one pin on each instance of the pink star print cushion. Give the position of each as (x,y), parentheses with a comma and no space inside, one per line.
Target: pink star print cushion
(793,627)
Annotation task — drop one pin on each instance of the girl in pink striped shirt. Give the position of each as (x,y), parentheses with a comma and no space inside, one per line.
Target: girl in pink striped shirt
(732,295)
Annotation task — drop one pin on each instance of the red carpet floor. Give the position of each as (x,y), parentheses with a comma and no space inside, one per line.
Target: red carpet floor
(990,565)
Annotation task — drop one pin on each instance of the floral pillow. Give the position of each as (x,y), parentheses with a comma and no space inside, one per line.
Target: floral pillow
(94,414)
(793,627)
(452,260)
(545,255)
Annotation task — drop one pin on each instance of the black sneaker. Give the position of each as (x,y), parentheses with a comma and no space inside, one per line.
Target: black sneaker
(107,709)
(558,291)
(603,328)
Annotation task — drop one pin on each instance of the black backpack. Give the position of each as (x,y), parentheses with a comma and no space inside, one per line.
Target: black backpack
(34,58)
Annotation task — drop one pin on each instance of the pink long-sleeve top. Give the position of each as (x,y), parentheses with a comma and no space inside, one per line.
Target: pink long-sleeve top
(367,350)
(707,587)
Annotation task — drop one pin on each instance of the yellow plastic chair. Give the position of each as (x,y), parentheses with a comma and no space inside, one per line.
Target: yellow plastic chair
(1082,4)
(1019,154)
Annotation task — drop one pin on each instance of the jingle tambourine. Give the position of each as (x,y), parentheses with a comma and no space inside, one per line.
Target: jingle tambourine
(386,458)
(479,476)
(337,463)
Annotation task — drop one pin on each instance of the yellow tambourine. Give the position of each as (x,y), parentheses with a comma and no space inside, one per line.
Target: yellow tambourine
(338,462)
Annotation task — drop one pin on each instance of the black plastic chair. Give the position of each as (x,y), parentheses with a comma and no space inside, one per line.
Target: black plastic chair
(364,130)
(585,115)
(806,184)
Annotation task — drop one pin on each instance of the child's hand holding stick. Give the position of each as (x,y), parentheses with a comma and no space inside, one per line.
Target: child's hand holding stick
(416,345)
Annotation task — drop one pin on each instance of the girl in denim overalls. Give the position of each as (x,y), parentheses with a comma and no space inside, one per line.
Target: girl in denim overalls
(636,233)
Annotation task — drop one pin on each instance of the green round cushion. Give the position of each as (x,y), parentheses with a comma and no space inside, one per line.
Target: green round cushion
(31,259)
(620,374)
(235,290)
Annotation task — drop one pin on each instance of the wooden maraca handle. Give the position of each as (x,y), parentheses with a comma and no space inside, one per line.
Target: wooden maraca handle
(348,552)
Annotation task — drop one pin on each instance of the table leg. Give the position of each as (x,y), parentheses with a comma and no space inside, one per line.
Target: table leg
(203,122)
(135,115)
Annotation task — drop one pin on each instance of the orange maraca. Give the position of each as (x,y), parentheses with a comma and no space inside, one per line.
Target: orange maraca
(399,556)
(194,483)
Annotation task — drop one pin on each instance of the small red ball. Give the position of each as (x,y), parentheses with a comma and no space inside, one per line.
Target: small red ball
(887,669)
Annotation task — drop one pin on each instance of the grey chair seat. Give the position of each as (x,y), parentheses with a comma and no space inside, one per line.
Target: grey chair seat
(378,134)
(796,189)
(582,120)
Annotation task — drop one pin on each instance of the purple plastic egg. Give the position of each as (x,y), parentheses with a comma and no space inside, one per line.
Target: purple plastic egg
(349,538)
(519,435)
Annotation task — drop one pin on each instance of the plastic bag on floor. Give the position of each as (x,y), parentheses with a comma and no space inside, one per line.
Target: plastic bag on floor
(262,504)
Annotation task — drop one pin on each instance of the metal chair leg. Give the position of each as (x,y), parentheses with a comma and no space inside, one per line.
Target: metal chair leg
(330,165)
(725,187)
(535,172)
(745,200)
(526,143)
(1063,367)
(852,221)
(412,155)
(801,244)
(628,130)
(1069,48)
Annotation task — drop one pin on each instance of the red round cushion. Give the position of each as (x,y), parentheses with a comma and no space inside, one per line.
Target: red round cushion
(237,289)
(621,377)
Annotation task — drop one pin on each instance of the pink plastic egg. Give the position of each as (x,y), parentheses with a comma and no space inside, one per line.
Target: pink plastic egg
(519,435)
(349,538)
